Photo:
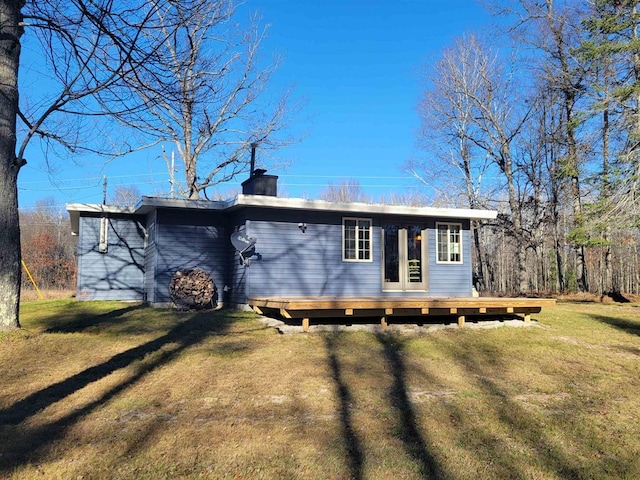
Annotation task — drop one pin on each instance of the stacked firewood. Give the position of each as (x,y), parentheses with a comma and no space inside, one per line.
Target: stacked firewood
(192,289)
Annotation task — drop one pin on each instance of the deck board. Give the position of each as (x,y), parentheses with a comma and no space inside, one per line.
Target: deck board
(388,307)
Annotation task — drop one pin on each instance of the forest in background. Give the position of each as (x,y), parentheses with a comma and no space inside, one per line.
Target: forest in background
(48,248)
(538,119)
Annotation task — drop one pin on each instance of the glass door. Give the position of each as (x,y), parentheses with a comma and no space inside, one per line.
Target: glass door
(404,258)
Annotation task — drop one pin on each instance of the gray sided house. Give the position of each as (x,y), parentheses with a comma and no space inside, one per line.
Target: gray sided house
(259,245)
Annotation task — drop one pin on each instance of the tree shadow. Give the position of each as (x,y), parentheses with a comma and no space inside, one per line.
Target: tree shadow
(414,442)
(117,272)
(484,366)
(627,326)
(355,452)
(82,321)
(27,443)
(616,297)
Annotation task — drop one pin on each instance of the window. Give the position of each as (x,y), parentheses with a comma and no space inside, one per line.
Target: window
(449,242)
(356,239)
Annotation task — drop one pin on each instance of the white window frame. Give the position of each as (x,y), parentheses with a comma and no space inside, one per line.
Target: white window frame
(449,250)
(358,230)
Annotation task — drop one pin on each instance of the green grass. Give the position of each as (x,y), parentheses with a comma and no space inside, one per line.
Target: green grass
(113,390)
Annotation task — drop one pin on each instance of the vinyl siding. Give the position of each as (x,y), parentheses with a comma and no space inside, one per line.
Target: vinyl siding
(237,273)
(291,263)
(294,263)
(116,274)
(186,240)
(450,279)
(150,259)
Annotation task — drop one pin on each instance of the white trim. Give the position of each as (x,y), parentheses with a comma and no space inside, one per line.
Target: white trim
(358,207)
(357,250)
(449,262)
(147,204)
(403,284)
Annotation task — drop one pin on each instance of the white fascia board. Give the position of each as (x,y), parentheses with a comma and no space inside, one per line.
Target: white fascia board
(148,204)
(356,207)
(97,208)
(75,209)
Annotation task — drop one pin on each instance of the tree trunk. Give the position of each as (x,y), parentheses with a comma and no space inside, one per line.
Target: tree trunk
(521,254)
(559,265)
(479,281)
(10,266)
(606,191)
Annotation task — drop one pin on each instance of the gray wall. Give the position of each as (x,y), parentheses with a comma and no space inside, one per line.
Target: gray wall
(307,264)
(310,264)
(189,239)
(292,263)
(116,274)
(237,278)
(150,259)
(448,279)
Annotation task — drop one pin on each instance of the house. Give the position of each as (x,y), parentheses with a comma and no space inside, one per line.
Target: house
(260,248)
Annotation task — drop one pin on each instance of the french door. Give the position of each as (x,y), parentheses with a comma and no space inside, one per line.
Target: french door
(404,262)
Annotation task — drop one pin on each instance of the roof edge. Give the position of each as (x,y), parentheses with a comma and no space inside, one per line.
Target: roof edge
(148,204)
(358,207)
(74,210)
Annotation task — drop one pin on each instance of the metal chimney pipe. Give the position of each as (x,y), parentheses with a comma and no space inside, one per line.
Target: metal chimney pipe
(253,159)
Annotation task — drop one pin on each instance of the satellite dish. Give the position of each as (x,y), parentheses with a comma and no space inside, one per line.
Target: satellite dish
(242,242)
(245,245)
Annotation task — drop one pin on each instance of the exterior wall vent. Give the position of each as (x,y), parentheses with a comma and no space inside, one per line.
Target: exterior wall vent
(104,231)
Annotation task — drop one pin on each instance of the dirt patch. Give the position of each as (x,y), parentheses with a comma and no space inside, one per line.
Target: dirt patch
(425,396)
(542,401)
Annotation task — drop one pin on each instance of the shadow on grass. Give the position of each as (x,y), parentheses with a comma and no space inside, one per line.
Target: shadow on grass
(616,297)
(82,321)
(26,443)
(353,445)
(518,427)
(620,323)
(411,437)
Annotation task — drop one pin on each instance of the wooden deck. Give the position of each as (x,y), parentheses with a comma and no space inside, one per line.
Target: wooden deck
(304,308)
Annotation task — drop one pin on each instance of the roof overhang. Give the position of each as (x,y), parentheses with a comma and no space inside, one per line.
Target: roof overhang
(358,207)
(75,209)
(148,204)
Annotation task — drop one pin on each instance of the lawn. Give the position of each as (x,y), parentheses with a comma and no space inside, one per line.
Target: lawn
(112,390)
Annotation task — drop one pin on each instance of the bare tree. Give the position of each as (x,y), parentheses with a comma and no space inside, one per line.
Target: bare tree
(554,28)
(125,196)
(487,112)
(410,198)
(447,133)
(10,164)
(203,91)
(610,45)
(344,191)
(47,248)
(87,46)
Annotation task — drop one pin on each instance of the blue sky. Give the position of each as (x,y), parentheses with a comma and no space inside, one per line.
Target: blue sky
(356,65)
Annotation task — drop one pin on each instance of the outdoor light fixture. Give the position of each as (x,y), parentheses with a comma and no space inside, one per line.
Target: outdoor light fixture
(303,227)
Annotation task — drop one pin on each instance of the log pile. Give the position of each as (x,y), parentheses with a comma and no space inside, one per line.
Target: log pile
(192,289)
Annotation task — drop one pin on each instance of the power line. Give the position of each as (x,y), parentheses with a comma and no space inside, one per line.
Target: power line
(95,178)
(286,184)
(355,177)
